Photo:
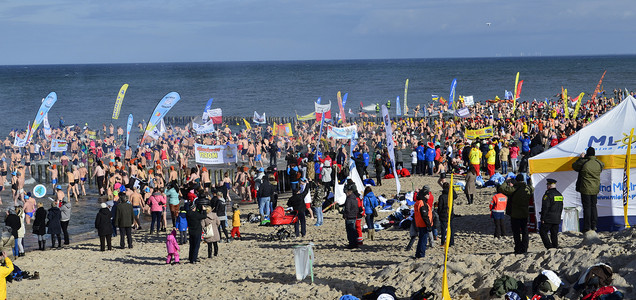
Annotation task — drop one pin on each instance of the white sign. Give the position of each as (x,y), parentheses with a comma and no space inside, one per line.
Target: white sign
(59,145)
(468,100)
(212,155)
(343,133)
(208,127)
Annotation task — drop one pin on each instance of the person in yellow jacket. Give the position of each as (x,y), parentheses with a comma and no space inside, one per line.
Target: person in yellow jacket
(236,222)
(491,156)
(4,272)
(474,156)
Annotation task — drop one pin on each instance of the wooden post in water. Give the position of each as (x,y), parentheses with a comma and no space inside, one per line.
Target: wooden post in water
(40,173)
(89,175)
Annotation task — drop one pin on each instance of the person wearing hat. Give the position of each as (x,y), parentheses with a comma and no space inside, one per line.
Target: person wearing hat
(104,227)
(588,184)
(519,194)
(551,208)
(54,224)
(430,158)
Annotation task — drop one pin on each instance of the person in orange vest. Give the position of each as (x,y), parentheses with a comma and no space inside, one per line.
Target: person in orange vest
(423,216)
(497,213)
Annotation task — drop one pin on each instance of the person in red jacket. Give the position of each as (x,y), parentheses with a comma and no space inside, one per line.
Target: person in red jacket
(423,216)
(497,213)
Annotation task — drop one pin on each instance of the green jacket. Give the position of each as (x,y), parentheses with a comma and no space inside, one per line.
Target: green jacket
(589,179)
(519,195)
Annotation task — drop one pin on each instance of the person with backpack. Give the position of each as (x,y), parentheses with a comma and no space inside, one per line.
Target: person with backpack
(551,209)
(588,184)
(519,194)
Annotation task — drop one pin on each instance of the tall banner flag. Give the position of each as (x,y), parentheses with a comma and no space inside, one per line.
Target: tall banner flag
(626,183)
(160,111)
(46,126)
(318,101)
(341,108)
(390,144)
(344,99)
(406,90)
(451,97)
(578,105)
(128,128)
(46,105)
(208,105)
(259,119)
(598,86)
(445,292)
(514,100)
(322,122)
(323,109)
(518,93)
(398,108)
(119,100)
(564,95)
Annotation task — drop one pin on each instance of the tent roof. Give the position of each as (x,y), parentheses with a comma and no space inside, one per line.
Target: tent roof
(605,134)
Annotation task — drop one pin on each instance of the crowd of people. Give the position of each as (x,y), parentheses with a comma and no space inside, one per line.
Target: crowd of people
(160,176)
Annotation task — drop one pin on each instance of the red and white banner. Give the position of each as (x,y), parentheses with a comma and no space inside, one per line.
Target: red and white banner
(323,109)
(216,115)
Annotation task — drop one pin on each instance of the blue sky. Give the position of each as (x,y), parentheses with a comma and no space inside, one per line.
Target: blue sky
(65,31)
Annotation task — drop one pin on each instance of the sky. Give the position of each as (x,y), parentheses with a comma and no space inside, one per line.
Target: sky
(137,31)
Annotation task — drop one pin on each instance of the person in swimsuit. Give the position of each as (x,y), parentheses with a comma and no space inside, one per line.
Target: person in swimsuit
(53,170)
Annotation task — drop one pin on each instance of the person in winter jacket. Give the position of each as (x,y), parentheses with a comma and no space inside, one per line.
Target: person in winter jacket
(65,210)
(13,221)
(4,272)
(124,219)
(54,224)
(104,227)
(588,184)
(429,156)
(497,213)
(156,202)
(444,213)
(182,225)
(194,218)
(212,241)
(297,202)
(173,247)
(423,217)
(551,209)
(519,194)
(370,201)
(350,214)
(39,226)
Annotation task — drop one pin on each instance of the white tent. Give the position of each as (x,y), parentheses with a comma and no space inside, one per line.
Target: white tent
(606,134)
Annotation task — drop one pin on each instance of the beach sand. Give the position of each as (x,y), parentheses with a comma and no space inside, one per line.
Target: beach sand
(256,268)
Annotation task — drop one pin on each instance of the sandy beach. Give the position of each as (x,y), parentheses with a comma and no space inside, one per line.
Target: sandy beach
(258,268)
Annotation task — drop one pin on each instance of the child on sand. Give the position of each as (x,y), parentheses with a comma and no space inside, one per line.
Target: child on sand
(182,226)
(236,221)
(173,247)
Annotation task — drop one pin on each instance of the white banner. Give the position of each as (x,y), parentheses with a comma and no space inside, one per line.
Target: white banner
(47,127)
(208,127)
(59,145)
(212,155)
(259,119)
(20,142)
(389,143)
(469,101)
(463,112)
(158,131)
(342,133)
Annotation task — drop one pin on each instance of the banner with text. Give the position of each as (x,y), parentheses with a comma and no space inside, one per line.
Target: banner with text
(342,133)
(212,155)
(59,145)
(479,133)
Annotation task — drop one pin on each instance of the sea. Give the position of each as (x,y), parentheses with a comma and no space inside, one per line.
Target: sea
(87,92)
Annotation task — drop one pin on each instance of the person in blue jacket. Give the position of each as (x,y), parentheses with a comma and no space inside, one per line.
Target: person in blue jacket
(525,144)
(421,158)
(369,201)
(182,225)
(430,158)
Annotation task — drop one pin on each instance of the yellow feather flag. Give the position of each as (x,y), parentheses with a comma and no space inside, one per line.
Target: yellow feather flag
(514,96)
(566,111)
(275,129)
(247,124)
(445,293)
(578,106)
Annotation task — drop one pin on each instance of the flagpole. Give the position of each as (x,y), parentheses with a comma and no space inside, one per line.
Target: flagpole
(626,175)
(445,292)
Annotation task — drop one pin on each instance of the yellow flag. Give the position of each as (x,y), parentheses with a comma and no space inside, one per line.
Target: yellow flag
(445,293)
(274,129)
(566,111)
(514,96)
(247,124)
(578,106)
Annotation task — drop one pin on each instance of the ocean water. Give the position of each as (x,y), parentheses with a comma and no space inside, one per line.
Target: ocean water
(86,93)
